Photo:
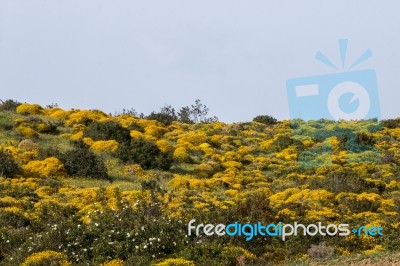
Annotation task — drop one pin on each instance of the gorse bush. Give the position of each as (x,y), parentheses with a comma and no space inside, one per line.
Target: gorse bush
(29,109)
(109,130)
(47,258)
(36,124)
(82,162)
(48,167)
(8,166)
(145,153)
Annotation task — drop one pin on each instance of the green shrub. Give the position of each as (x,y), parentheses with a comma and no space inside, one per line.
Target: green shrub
(6,123)
(283,142)
(145,153)
(9,105)
(166,119)
(82,162)
(8,166)
(391,123)
(265,119)
(109,130)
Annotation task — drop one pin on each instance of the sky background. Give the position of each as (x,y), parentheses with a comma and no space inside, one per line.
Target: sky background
(233,55)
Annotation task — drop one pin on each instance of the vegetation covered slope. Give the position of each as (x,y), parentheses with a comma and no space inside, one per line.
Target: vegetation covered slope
(83,187)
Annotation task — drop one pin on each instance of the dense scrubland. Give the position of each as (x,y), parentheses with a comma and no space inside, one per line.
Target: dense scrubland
(88,188)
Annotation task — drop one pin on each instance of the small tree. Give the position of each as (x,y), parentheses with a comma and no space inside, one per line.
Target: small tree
(166,115)
(196,113)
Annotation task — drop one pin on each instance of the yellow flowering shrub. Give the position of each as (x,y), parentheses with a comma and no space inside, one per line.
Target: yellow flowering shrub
(45,258)
(136,134)
(43,127)
(181,154)
(164,145)
(231,192)
(237,253)
(175,262)
(88,141)
(126,120)
(57,113)
(204,169)
(179,182)
(77,136)
(206,148)
(155,131)
(116,262)
(48,167)
(377,248)
(8,201)
(232,156)
(195,138)
(232,164)
(27,131)
(32,109)
(105,145)
(83,116)
(27,156)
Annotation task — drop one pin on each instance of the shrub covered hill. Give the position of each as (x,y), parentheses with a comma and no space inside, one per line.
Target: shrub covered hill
(81,187)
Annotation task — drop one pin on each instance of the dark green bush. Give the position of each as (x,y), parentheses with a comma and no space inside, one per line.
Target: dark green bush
(283,142)
(265,119)
(82,162)
(145,153)
(109,130)
(6,123)
(391,123)
(8,166)
(9,105)
(166,119)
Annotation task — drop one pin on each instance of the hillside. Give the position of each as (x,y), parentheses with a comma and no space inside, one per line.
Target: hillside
(85,187)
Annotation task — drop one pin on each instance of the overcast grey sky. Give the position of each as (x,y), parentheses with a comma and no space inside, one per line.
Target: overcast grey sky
(233,55)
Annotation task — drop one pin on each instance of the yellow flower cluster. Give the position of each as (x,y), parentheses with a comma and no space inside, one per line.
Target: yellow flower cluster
(48,167)
(32,109)
(175,262)
(47,257)
(105,145)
